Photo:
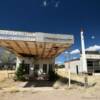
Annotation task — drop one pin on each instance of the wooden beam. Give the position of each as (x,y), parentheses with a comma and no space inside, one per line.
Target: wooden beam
(19,46)
(11,44)
(44,47)
(36,48)
(56,51)
(50,51)
(8,46)
(27,46)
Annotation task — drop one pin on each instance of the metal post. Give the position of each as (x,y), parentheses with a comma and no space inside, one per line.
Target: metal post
(69,74)
(86,80)
(69,70)
(69,82)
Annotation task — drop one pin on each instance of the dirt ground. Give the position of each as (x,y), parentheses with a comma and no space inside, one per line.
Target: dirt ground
(50,95)
(59,90)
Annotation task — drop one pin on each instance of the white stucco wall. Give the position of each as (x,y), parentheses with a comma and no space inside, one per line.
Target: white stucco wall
(93,56)
(31,61)
(73,65)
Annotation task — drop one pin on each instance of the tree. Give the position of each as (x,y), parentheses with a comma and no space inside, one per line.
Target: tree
(21,72)
(7,57)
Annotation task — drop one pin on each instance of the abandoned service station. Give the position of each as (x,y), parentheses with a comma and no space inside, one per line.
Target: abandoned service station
(38,50)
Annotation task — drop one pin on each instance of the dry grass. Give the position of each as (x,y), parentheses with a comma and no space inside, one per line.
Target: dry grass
(6,82)
(79,78)
(9,82)
(76,92)
(4,74)
(93,81)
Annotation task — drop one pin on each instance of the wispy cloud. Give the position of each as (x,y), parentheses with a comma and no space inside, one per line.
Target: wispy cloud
(93,48)
(74,58)
(50,3)
(76,51)
(44,3)
(57,4)
(66,52)
(58,62)
(93,37)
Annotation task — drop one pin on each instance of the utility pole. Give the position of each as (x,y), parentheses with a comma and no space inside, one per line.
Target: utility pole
(84,62)
(69,81)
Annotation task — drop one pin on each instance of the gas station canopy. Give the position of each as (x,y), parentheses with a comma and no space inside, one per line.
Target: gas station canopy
(35,44)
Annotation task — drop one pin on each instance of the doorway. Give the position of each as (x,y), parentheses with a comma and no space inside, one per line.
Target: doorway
(45,68)
(77,70)
(36,70)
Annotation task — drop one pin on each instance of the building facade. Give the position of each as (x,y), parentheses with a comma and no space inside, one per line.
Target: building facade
(38,50)
(93,63)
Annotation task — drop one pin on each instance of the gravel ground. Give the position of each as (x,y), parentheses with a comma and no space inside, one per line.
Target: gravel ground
(56,94)
(77,92)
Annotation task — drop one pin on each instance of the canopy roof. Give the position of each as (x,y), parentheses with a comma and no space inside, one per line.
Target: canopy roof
(38,44)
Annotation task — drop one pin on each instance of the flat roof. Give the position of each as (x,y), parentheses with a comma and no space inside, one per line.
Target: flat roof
(92,52)
(72,60)
(35,44)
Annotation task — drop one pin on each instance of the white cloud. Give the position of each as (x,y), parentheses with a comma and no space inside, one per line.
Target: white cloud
(58,62)
(76,51)
(51,3)
(92,37)
(93,48)
(66,52)
(57,4)
(45,3)
(74,57)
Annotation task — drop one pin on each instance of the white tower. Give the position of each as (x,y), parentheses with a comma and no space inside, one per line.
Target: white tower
(84,64)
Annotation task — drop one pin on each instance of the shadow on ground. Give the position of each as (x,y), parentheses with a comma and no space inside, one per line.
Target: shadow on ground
(39,83)
(64,80)
(61,80)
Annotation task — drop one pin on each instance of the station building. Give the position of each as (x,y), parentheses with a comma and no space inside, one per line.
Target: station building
(38,50)
(93,63)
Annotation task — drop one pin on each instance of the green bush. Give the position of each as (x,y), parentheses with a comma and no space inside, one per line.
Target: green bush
(21,72)
(61,66)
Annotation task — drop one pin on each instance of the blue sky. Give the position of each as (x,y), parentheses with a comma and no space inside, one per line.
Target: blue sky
(53,16)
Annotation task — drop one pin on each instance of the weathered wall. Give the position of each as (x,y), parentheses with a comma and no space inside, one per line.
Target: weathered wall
(31,61)
(73,65)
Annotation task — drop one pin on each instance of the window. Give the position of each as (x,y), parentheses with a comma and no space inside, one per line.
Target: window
(50,67)
(26,68)
(44,68)
(90,63)
(36,66)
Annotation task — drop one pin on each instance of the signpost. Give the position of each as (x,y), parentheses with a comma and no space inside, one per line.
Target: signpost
(69,74)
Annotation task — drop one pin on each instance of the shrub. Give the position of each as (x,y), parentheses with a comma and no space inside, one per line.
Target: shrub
(21,72)
(61,66)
